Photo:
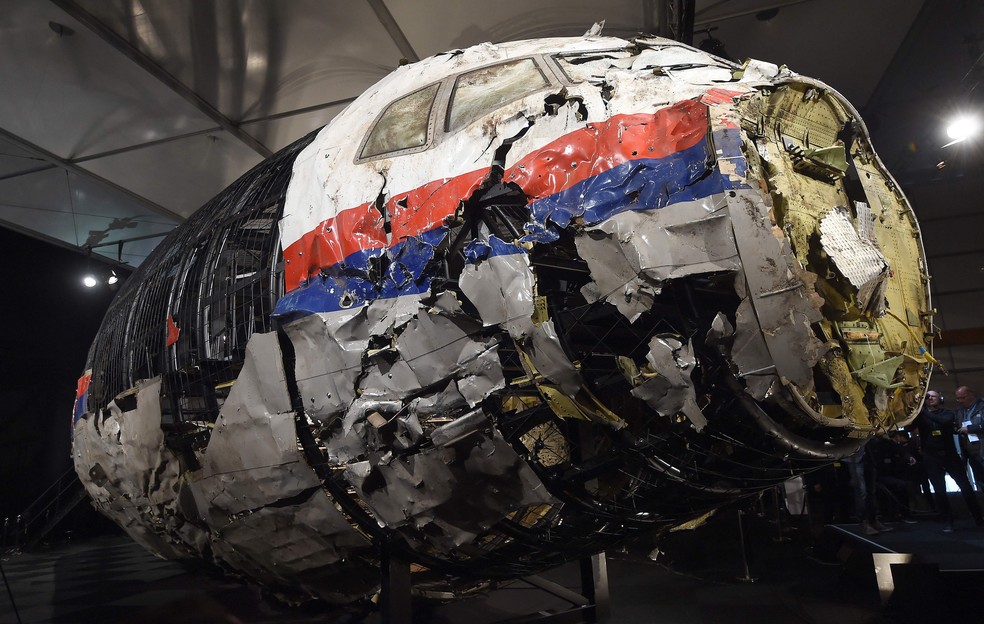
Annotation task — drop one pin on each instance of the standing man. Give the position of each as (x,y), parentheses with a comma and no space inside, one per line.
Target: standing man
(936,427)
(970,419)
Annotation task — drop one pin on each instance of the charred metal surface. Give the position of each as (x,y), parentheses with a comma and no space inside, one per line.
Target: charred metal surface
(516,304)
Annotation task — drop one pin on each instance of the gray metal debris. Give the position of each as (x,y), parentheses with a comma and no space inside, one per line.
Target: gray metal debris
(669,389)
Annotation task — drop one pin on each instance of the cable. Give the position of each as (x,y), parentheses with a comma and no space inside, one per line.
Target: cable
(923,351)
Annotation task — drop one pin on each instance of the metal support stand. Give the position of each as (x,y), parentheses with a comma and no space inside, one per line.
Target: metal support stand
(594,585)
(591,606)
(777,492)
(394,594)
(747,577)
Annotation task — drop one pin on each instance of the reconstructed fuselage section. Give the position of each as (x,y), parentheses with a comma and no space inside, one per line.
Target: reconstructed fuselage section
(514,305)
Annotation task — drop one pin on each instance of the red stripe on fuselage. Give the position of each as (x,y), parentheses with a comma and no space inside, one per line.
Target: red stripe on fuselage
(599,147)
(82,386)
(351,230)
(425,208)
(563,162)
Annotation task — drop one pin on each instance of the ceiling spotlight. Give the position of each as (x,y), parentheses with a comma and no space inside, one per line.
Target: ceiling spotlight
(112,278)
(89,281)
(963,128)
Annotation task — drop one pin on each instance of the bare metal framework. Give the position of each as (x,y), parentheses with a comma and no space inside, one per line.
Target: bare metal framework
(214,283)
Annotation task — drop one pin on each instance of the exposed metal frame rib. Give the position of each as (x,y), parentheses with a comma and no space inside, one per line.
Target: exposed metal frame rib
(298,111)
(150,66)
(393,28)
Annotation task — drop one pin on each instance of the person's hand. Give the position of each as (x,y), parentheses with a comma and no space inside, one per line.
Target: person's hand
(962,430)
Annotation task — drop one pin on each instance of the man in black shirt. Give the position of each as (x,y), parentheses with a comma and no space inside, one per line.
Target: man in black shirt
(936,427)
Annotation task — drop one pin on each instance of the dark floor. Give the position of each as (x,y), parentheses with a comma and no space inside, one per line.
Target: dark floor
(698,577)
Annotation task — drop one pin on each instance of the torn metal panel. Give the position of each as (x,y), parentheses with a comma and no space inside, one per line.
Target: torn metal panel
(309,547)
(451,494)
(751,354)
(669,56)
(500,286)
(387,378)
(457,429)
(131,477)
(437,347)
(615,277)
(434,348)
(445,403)
(780,297)
(356,436)
(644,249)
(669,389)
(550,360)
(857,258)
(485,377)
(328,351)
(142,444)
(252,458)
(568,117)
(386,314)
(721,334)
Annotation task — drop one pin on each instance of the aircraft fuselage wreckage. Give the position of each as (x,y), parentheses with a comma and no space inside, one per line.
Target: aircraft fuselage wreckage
(515,305)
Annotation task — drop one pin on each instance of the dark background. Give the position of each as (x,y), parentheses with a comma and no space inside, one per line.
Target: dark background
(47,321)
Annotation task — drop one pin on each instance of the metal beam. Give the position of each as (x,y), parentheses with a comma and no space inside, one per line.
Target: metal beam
(51,240)
(395,32)
(674,19)
(177,137)
(38,169)
(128,240)
(122,45)
(298,111)
(57,161)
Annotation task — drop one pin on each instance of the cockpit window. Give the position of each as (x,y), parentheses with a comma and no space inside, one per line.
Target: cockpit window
(403,125)
(479,92)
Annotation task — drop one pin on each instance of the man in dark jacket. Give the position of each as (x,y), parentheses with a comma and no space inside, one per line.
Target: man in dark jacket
(936,427)
(894,464)
(970,419)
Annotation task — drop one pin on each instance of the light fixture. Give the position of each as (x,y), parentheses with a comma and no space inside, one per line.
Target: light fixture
(89,281)
(962,128)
